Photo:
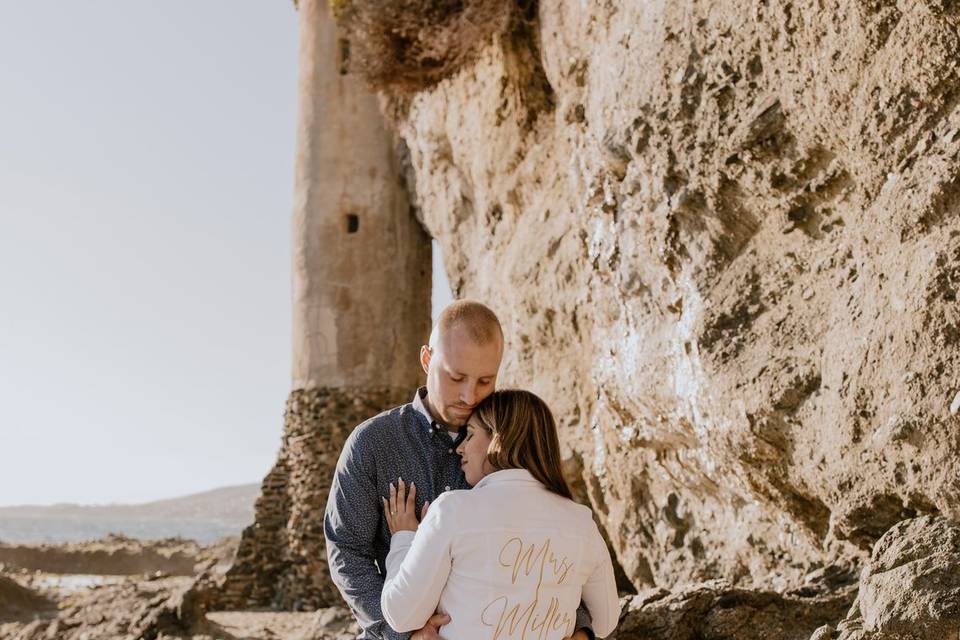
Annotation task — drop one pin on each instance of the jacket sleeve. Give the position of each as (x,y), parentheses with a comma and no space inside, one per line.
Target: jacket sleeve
(600,591)
(416,574)
(350,527)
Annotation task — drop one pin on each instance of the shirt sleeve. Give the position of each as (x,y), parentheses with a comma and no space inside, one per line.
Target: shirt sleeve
(350,527)
(584,622)
(419,568)
(600,591)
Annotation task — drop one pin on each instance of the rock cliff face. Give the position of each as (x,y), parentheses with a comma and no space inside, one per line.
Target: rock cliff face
(724,239)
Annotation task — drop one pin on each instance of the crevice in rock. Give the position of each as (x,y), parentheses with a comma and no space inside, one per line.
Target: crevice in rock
(862,521)
(523,65)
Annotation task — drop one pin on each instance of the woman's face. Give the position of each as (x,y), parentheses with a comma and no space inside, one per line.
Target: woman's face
(473,452)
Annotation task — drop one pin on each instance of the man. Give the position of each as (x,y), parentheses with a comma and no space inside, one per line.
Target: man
(416,442)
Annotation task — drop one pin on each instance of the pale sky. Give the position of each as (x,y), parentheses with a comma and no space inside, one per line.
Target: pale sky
(146,169)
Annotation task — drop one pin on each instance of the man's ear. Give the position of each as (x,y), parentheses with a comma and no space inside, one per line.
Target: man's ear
(426,353)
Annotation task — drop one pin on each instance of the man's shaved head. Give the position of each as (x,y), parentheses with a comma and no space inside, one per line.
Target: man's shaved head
(474,318)
(462,360)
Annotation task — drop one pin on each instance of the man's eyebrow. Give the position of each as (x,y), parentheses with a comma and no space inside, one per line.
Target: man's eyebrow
(454,372)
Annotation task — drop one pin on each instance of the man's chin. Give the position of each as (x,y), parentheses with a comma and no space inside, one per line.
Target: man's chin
(456,419)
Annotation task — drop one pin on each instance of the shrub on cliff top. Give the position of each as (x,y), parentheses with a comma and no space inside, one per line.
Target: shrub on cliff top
(409,45)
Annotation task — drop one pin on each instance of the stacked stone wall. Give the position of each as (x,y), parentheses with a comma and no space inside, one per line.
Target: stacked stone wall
(281,561)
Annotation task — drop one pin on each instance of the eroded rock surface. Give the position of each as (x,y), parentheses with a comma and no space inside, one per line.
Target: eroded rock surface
(133,609)
(911,586)
(20,603)
(715,610)
(725,244)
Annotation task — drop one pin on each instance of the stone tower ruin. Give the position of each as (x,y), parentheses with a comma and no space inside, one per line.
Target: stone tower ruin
(361,310)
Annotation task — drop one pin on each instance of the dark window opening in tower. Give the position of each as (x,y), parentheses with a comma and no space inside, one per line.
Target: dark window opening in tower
(353,223)
(344,56)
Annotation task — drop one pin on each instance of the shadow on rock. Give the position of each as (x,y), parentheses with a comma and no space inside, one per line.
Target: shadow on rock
(717,610)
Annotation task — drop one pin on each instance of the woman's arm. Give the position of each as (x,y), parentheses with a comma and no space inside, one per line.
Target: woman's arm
(418,567)
(600,591)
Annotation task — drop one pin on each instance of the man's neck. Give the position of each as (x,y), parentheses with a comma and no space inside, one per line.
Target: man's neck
(433,413)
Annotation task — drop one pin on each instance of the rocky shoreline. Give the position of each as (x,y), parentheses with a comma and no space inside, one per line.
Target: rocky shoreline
(909,589)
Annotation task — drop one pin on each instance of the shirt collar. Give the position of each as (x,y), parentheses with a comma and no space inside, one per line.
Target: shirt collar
(508,475)
(420,406)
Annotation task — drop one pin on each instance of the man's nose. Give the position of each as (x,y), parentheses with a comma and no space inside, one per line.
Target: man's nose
(468,394)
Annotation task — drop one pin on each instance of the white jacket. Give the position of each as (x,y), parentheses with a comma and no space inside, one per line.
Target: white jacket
(507,559)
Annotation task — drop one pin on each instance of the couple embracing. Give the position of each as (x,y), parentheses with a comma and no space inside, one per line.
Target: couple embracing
(449,517)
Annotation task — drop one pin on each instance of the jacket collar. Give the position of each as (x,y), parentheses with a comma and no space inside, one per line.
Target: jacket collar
(508,476)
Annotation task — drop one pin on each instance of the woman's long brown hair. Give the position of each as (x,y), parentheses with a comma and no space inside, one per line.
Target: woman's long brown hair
(523,436)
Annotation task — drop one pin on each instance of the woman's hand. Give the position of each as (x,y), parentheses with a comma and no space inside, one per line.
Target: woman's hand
(401,509)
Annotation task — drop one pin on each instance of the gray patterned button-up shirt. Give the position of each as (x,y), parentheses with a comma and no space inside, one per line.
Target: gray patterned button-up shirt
(405,442)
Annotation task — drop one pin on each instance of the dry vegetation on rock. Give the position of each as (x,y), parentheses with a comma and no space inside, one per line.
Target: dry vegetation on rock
(409,45)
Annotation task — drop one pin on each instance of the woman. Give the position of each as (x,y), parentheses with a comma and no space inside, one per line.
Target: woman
(514,556)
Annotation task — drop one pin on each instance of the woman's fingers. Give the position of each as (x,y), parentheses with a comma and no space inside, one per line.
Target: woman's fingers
(423,511)
(412,499)
(401,507)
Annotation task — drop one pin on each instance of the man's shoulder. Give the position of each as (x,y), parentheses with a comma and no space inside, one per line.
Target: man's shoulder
(385,423)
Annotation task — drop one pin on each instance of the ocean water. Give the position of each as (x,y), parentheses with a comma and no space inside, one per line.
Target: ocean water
(22,530)
(73,583)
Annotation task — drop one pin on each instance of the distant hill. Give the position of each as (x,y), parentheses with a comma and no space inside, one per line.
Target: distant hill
(205,517)
(228,504)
